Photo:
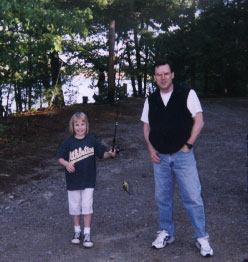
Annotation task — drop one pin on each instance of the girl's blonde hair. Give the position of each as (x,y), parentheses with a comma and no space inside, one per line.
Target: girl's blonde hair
(75,117)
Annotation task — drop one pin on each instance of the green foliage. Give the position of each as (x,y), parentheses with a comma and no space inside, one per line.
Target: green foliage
(210,50)
(209,46)
(30,32)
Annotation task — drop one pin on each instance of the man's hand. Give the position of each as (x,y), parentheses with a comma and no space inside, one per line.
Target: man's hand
(154,154)
(196,129)
(185,149)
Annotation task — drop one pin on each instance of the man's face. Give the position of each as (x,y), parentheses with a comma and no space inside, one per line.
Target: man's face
(163,77)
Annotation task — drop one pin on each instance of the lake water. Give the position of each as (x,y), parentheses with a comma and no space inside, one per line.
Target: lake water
(74,91)
(80,87)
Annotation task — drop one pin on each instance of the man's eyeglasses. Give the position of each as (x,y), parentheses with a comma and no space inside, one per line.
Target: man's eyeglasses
(162,75)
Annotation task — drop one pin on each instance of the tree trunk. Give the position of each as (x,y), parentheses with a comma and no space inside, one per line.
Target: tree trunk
(8,94)
(1,105)
(58,96)
(45,78)
(205,84)
(192,73)
(29,83)
(18,98)
(40,95)
(139,71)
(145,69)
(131,69)
(7,102)
(101,82)
(111,70)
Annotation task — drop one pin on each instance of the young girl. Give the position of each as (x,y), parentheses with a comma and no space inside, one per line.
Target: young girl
(77,154)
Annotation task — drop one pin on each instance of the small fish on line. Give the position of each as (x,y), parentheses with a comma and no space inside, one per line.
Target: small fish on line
(125,186)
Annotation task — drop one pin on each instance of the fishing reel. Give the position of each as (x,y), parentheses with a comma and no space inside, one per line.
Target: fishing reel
(117,149)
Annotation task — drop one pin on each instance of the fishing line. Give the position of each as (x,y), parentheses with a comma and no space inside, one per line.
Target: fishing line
(114,146)
(125,184)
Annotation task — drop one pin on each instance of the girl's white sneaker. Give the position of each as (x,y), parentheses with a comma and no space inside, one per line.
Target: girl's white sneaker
(87,241)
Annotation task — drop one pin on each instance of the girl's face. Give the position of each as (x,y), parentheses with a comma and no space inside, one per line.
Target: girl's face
(79,128)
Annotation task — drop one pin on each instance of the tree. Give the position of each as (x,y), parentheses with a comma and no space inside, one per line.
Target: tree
(111,71)
(33,32)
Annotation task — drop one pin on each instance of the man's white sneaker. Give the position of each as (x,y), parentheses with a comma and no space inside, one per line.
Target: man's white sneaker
(162,239)
(204,246)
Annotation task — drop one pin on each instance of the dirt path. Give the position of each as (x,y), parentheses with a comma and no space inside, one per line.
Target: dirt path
(35,225)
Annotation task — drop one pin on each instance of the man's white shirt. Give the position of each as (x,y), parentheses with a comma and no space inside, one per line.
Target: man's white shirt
(193,104)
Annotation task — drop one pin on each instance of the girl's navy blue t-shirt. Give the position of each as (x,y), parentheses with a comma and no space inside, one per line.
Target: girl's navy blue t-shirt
(82,152)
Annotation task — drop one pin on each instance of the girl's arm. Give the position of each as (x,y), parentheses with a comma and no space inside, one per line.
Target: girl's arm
(69,166)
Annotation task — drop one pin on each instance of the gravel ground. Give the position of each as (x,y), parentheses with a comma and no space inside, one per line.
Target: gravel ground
(36,227)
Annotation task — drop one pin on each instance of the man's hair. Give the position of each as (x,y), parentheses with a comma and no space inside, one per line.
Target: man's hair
(164,61)
(78,116)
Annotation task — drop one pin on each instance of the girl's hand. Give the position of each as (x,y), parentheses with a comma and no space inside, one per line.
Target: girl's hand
(70,167)
(112,153)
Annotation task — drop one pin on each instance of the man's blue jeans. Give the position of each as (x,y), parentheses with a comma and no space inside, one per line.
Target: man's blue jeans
(183,166)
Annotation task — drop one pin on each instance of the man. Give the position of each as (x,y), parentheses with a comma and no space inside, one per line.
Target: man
(173,119)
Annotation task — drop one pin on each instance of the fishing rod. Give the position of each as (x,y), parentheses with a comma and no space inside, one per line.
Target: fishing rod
(114,146)
(247,162)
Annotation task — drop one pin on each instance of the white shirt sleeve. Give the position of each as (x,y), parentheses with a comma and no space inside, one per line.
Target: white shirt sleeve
(144,116)
(193,103)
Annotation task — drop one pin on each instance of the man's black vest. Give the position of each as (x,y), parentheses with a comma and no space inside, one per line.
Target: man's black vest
(171,125)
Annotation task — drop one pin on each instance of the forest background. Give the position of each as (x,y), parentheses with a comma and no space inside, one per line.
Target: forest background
(44,43)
